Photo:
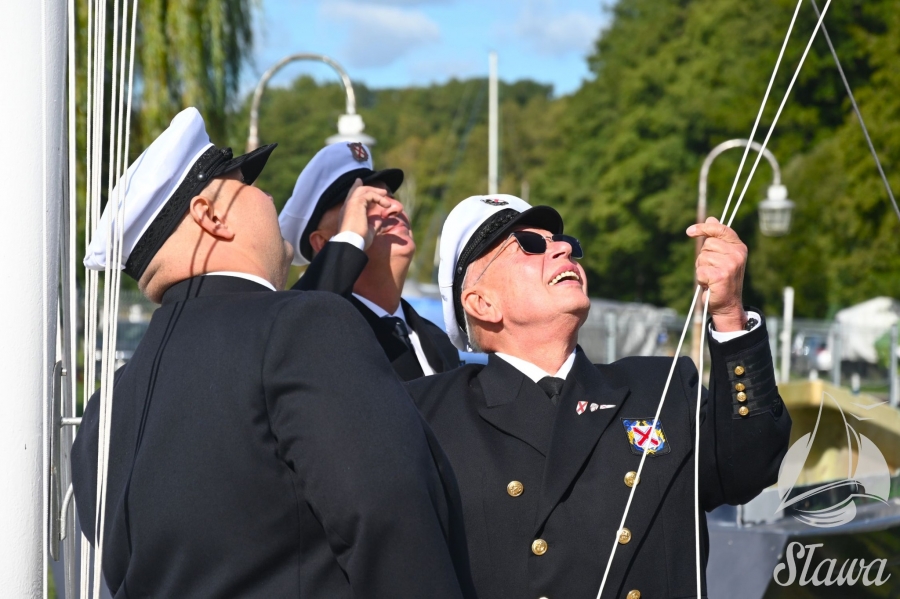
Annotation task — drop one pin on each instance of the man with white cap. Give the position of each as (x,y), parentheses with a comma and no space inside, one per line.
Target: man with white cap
(344,219)
(546,445)
(260,444)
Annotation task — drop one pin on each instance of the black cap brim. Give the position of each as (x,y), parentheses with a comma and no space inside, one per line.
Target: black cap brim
(494,229)
(336,194)
(251,164)
(392,177)
(539,217)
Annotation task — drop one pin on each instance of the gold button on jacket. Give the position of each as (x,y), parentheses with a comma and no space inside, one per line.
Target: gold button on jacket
(743,411)
(515,488)
(742,396)
(631,479)
(739,370)
(539,547)
(633,595)
(624,536)
(739,387)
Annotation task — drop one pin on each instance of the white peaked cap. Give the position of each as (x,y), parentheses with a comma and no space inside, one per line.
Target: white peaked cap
(333,170)
(150,182)
(180,162)
(472,226)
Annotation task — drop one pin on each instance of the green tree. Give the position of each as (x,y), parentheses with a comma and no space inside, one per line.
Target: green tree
(190,54)
(672,80)
(436,134)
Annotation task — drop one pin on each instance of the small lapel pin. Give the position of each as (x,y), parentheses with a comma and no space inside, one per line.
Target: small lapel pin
(582,406)
(606,406)
(594,407)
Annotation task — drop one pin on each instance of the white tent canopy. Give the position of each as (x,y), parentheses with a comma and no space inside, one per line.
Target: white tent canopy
(863,324)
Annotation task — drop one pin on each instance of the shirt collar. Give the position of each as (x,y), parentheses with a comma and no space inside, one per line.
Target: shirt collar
(242,275)
(535,373)
(381,312)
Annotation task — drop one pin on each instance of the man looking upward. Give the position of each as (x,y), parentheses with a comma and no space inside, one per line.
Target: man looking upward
(546,445)
(260,444)
(344,218)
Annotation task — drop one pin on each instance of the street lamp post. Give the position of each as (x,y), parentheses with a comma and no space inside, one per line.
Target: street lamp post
(350,125)
(774,213)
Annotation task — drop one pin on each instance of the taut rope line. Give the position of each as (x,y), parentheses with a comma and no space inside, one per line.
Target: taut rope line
(706,307)
(862,123)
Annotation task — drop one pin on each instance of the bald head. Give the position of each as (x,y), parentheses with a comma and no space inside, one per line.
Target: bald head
(229,226)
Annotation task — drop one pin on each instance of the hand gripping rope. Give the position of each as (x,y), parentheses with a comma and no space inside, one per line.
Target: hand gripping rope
(706,301)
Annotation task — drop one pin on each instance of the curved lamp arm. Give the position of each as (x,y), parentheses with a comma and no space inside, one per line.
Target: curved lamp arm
(715,153)
(253,136)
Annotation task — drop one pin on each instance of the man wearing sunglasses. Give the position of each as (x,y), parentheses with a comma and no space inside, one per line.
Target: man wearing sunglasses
(546,445)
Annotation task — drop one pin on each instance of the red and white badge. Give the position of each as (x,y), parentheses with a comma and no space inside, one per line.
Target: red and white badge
(582,406)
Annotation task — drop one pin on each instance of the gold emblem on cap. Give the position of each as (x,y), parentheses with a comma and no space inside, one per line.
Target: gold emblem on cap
(515,488)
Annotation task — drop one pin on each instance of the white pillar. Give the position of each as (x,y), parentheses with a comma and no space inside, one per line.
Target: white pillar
(786,332)
(33,44)
(493,140)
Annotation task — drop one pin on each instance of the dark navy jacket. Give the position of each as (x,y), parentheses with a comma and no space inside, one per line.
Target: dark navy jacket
(571,462)
(261,446)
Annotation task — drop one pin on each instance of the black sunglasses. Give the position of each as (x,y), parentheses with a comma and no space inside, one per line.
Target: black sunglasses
(535,243)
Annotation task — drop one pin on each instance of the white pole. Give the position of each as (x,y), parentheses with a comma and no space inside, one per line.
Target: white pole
(33,44)
(786,333)
(892,365)
(493,141)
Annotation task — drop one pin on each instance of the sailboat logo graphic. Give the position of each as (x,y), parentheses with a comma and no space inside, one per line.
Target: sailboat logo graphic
(868,478)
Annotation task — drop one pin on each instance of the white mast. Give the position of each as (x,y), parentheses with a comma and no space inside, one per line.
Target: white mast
(33,154)
(493,141)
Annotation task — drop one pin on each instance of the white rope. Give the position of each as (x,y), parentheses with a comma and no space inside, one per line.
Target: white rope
(91,212)
(862,123)
(787,94)
(706,306)
(69,306)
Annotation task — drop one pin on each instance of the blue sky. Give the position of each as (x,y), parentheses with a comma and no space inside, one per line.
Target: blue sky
(398,43)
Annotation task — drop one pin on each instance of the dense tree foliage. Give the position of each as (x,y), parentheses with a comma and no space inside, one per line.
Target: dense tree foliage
(437,135)
(620,157)
(674,79)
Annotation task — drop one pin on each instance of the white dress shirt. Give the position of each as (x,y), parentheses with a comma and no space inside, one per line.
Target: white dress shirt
(535,373)
(380,312)
(241,275)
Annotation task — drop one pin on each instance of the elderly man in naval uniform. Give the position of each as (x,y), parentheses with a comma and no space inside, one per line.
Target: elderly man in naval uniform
(260,444)
(344,218)
(546,445)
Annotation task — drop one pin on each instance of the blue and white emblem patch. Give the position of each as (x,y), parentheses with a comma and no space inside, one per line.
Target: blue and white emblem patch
(642,437)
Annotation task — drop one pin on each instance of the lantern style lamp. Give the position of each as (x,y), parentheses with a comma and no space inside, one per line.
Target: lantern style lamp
(350,129)
(775,212)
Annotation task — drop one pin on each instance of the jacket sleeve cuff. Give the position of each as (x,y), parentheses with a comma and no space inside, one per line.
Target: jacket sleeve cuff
(354,239)
(748,374)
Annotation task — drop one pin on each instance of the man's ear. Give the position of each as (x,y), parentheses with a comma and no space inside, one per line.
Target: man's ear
(480,306)
(317,240)
(202,210)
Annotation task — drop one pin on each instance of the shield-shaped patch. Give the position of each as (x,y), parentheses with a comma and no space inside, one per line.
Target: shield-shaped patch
(642,436)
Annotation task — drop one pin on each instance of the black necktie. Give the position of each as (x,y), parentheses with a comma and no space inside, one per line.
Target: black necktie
(400,331)
(552,386)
